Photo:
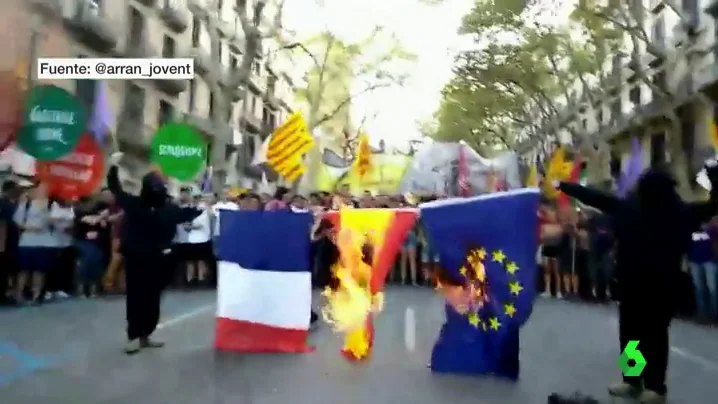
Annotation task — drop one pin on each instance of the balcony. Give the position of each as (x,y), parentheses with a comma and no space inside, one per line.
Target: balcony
(148,3)
(271,99)
(226,79)
(255,83)
(92,28)
(251,122)
(175,16)
(139,48)
(172,87)
(236,44)
(712,8)
(48,7)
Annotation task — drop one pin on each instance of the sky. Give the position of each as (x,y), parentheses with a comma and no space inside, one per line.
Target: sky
(429,32)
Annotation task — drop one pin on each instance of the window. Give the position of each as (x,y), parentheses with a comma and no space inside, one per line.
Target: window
(196,29)
(168,47)
(256,67)
(584,123)
(137,27)
(599,115)
(211,105)
(166,112)
(85,92)
(271,84)
(634,94)
(134,106)
(192,95)
(658,149)
(233,62)
(255,105)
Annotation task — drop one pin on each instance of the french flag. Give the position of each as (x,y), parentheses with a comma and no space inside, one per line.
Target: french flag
(264,288)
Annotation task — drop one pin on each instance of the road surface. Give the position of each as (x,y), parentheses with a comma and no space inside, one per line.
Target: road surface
(71,353)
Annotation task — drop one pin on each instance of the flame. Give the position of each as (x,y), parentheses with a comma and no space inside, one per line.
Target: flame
(349,307)
(469,296)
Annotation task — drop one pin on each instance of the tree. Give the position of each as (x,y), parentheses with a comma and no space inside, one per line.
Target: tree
(514,85)
(618,22)
(228,89)
(339,73)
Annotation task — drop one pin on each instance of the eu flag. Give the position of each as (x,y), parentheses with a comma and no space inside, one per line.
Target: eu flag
(487,247)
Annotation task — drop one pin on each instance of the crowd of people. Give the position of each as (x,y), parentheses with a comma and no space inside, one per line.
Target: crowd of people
(55,249)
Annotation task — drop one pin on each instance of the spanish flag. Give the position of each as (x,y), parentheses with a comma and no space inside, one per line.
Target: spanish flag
(368,241)
(288,144)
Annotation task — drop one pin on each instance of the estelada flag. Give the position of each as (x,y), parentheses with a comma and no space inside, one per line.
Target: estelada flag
(388,229)
(75,175)
(573,177)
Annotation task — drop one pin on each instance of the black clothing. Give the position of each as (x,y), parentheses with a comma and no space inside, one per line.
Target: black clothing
(149,226)
(8,252)
(653,231)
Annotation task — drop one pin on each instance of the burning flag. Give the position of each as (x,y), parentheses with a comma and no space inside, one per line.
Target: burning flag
(488,247)
(368,241)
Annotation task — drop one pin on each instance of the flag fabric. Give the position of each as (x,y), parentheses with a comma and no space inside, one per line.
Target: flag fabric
(388,228)
(207,180)
(573,177)
(462,177)
(260,155)
(632,171)
(288,144)
(558,169)
(487,247)
(264,288)
(713,127)
(363,160)
(101,120)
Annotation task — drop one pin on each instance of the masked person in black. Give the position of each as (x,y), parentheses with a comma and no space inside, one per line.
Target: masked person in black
(653,228)
(150,223)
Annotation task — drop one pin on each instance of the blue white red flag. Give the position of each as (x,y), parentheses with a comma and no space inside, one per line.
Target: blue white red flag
(264,285)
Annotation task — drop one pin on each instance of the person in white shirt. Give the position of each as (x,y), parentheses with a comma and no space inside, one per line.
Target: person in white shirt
(199,243)
(60,278)
(180,246)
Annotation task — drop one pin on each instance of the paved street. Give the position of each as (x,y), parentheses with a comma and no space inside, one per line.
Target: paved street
(70,353)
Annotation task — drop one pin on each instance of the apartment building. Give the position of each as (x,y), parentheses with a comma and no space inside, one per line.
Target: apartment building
(686,73)
(144,29)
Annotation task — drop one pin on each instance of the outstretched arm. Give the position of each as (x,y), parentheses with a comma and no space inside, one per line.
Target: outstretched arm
(595,198)
(183,215)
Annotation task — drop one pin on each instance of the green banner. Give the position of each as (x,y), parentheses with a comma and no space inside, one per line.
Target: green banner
(179,151)
(53,122)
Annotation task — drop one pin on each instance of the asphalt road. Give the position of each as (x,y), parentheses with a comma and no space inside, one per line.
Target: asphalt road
(70,353)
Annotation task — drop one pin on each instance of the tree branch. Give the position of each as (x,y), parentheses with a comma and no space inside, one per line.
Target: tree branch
(346,102)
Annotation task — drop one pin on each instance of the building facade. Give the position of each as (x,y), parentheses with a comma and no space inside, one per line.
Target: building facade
(146,29)
(661,89)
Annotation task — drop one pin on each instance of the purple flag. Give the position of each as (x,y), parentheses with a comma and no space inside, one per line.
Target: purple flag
(101,119)
(633,169)
(207,181)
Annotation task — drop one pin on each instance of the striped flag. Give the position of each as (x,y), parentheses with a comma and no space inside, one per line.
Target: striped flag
(713,131)
(263,298)
(289,143)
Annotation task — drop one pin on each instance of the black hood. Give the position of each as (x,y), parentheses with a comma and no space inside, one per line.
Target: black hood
(656,191)
(154,190)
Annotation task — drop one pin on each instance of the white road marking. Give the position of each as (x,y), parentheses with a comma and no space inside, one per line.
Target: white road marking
(186,316)
(410,329)
(696,359)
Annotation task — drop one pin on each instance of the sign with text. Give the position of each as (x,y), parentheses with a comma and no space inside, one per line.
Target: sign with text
(76,174)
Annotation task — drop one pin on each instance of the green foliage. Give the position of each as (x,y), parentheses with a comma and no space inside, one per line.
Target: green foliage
(509,83)
(376,61)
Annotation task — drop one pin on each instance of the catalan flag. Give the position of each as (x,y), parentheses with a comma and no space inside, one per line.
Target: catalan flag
(487,246)
(288,144)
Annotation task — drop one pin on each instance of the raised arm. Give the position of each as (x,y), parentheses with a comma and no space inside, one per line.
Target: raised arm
(122,198)
(183,215)
(603,201)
